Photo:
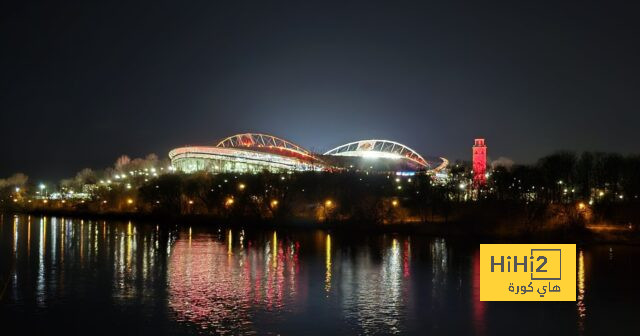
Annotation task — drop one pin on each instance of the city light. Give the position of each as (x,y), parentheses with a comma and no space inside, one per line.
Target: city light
(229,201)
(129,201)
(328,203)
(394,203)
(241,186)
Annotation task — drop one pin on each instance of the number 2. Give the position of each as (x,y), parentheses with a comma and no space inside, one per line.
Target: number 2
(539,269)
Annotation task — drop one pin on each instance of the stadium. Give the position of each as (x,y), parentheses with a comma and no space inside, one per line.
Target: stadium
(382,155)
(256,152)
(245,153)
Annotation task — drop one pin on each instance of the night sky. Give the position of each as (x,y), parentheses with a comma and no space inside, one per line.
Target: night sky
(83,82)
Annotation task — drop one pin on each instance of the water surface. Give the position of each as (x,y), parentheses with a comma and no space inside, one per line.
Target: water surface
(75,276)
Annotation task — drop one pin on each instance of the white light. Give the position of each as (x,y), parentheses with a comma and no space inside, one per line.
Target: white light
(462,186)
(42,186)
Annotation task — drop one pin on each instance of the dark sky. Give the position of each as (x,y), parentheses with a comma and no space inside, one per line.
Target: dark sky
(83,82)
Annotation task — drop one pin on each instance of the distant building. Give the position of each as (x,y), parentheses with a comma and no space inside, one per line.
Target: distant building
(479,151)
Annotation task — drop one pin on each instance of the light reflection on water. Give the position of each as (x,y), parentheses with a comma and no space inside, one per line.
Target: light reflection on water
(233,281)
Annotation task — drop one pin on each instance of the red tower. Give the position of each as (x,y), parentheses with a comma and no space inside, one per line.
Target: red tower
(479,163)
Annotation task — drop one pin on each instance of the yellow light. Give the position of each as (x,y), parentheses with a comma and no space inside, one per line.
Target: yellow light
(581,206)
(241,186)
(601,193)
(229,201)
(190,202)
(394,203)
(328,203)
(15,199)
(129,201)
(105,202)
(63,201)
(45,201)
(274,203)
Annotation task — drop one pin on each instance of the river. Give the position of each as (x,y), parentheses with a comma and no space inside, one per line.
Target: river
(73,276)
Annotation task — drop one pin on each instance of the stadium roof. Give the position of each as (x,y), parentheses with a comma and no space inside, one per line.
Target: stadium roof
(379,149)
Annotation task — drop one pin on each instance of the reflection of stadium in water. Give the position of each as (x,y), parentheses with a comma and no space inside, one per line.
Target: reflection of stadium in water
(216,283)
(183,281)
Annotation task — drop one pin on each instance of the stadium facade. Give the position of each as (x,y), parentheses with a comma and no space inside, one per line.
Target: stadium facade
(245,153)
(256,152)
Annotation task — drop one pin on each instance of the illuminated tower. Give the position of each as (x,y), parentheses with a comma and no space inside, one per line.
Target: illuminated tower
(479,163)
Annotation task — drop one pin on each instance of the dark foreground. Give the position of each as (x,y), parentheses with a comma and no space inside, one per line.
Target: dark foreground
(63,276)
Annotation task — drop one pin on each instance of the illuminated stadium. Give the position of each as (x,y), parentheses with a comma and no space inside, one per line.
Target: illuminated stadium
(245,153)
(382,155)
(255,152)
